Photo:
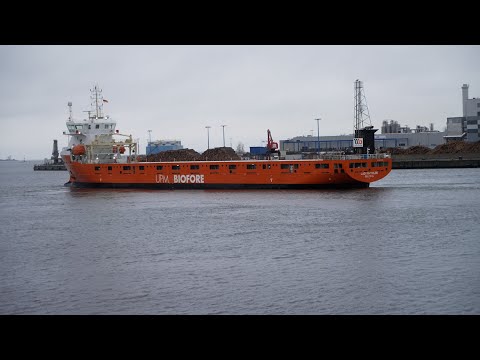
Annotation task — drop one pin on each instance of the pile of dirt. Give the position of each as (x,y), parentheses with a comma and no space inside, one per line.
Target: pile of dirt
(413,150)
(220,154)
(456,147)
(175,155)
(217,154)
(453,147)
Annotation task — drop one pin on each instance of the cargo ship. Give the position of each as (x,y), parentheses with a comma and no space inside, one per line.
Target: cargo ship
(98,155)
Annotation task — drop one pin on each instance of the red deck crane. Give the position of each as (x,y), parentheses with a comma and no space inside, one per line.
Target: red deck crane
(272,146)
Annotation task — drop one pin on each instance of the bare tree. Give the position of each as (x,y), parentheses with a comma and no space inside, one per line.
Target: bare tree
(240,149)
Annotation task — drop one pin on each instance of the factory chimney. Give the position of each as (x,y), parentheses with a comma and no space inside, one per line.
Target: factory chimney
(464,98)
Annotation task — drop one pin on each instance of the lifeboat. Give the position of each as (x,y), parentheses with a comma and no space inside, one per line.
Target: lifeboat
(78,149)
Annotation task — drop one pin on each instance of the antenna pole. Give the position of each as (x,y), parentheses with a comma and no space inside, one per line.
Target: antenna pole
(208,136)
(318,134)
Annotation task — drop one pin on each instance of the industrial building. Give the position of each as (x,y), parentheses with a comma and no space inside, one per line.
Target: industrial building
(154,147)
(344,142)
(393,135)
(467,126)
(394,128)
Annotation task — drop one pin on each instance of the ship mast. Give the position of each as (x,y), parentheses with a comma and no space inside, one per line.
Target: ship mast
(364,133)
(97,96)
(362,116)
(70,109)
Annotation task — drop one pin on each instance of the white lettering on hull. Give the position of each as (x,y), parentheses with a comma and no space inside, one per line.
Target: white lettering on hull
(188,179)
(369,174)
(180,179)
(161,179)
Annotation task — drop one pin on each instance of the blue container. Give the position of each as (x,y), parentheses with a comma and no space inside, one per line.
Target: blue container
(258,150)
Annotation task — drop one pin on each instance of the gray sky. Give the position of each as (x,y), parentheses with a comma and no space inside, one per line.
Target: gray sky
(177,90)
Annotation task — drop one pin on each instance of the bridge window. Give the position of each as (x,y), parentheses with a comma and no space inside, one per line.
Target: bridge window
(175,167)
(214,167)
(126,168)
(141,167)
(322,166)
(232,167)
(251,166)
(159,167)
(194,167)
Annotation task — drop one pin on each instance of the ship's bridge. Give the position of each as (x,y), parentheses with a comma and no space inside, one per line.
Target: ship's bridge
(88,130)
(92,126)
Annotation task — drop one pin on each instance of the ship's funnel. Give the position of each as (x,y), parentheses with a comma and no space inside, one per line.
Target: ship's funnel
(368,136)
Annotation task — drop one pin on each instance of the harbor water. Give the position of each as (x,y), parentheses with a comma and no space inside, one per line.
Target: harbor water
(409,244)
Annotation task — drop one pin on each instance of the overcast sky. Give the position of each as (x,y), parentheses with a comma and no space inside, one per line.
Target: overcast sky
(176,91)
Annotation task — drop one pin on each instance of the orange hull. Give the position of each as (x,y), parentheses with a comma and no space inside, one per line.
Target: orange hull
(253,174)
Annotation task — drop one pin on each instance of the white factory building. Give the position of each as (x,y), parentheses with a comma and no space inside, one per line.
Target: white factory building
(467,126)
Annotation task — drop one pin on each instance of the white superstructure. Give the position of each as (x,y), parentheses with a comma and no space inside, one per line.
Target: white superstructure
(96,134)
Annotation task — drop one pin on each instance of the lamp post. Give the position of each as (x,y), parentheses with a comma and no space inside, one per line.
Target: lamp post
(208,136)
(149,147)
(223,128)
(318,134)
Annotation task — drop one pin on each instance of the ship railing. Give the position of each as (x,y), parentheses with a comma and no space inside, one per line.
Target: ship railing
(353,157)
(105,158)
